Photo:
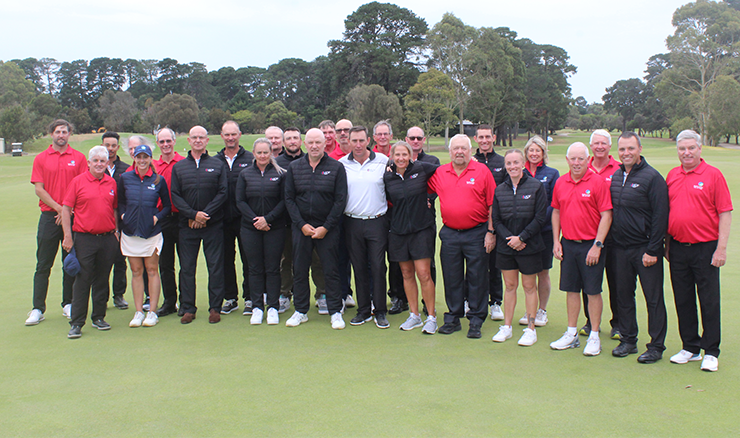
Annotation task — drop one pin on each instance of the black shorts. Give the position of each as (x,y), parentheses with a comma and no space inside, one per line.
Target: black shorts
(528,264)
(547,252)
(414,246)
(575,275)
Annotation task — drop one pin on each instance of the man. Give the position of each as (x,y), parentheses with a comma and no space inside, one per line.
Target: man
(382,134)
(698,231)
(236,159)
(199,190)
(342,132)
(53,170)
(465,188)
(93,198)
(485,138)
(115,169)
(604,165)
(275,135)
(170,224)
(329,130)
(640,220)
(416,138)
(366,225)
(582,209)
(315,196)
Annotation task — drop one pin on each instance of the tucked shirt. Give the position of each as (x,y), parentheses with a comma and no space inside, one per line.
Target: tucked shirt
(365,187)
(696,199)
(56,171)
(581,204)
(464,200)
(93,202)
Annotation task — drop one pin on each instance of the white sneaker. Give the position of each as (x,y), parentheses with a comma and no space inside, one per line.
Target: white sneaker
(297,319)
(684,356)
(151,320)
(496,313)
(467,307)
(430,325)
(709,363)
(593,346)
(321,303)
(540,320)
(337,323)
(272,316)
(528,338)
(349,302)
(284,304)
(34,317)
(566,341)
(504,333)
(524,320)
(137,320)
(412,322)
(256,318)
(67,311)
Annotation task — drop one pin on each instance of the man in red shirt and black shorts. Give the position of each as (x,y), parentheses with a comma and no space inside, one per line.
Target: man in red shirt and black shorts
(698,231)
(582,209)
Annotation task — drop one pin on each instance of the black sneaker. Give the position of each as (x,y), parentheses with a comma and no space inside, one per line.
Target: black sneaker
(166,309)
(585,330)
(615,334)
(624,349)
(474,331)
(450,327)
(100,324)
(119,302)
(650,356)
(381,321)
(360,319)
(229,306)
(75,332)
(398,306)
(247,307)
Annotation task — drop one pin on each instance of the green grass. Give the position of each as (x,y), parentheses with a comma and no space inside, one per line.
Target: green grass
(234,379)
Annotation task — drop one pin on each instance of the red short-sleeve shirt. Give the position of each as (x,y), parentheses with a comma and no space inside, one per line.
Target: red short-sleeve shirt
(94,202)
(464,200)
(696,199)
(581,204)
(607,172)
(56,171)
(164,169)
(337,153)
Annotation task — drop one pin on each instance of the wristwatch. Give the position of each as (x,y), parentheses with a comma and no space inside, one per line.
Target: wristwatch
(492,232)
(598,244)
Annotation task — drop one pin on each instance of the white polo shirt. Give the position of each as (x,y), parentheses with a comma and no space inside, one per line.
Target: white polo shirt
(365,187)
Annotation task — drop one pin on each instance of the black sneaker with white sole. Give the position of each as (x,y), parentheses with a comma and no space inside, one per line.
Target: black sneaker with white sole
(100,324)
(229,306)
(75,332)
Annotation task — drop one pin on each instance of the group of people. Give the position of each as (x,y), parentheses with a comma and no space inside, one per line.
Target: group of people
(342,203)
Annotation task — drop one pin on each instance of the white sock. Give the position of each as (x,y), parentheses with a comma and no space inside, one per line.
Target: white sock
(572,331)
(594,335)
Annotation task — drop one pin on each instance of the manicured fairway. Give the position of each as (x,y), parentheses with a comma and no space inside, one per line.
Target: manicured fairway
(234,379)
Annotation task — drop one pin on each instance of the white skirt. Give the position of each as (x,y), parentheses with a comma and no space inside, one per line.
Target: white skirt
(134,246)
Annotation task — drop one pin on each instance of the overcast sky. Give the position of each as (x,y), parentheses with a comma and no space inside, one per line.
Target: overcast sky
(607,40)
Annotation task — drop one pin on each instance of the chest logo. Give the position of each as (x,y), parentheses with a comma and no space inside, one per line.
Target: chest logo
(71,163)
(326,172)
(526,196)
(112,193)
(498,169)
(699,186)
(243,164)
(210,170)
(152,187)
(635,185)
(544,178)
(471,181)
(586,194)
(274,178)
(414,176)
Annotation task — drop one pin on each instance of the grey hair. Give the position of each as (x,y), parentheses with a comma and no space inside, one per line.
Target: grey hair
(578,144)
(688,134)
(142,140)
(166,129)
(402,144)
(537,141)
(98,151)
(275,127)
(274,163)
(386,123)
(602,132)
(467,140)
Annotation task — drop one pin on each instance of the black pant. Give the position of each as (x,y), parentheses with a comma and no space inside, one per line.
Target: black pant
(651,280)
(232,232)
(464,260)
(96,254)
(495,284)
(286,268)
(610,267)
(692,275)
(213,248)
(48,238)
(170,246)
(119,274)
(303,247)
(264,249)
(345,272)
(367,243)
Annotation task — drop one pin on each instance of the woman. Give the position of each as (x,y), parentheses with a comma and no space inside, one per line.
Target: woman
(259,198)
(411,239)
(519,212)
(139,191)
(535,151)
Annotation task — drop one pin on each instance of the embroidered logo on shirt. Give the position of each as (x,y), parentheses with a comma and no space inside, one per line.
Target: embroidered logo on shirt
(210,170)
(326,172)
(544,178)
(112,193)
(472,181)
(498,169)
(526,196)
(699,186)
(635,185)
(71,163)
(586,194)
(243,164)
(274,178)
(414,176)
(152,187)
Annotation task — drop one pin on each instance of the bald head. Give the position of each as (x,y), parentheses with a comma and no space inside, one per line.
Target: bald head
(315,142)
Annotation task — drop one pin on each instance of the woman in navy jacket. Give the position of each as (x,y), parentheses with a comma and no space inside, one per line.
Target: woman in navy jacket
(261,201)
(139,192)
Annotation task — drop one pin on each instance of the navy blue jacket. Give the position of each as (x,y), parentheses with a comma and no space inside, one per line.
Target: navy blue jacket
(547,176)
(137,203)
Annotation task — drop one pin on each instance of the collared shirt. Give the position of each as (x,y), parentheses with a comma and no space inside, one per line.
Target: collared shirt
(165,170)
(337,153)
(607,172)
(365,187)
(464,200)
(94,202)
(376,150)
(696,199)
(581,204)
(57,170)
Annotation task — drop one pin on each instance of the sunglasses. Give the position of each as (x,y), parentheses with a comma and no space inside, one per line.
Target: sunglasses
(416,138)
(343,130)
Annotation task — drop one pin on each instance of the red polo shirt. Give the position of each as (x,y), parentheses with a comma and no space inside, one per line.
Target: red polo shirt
(165,170)
(93,202)
(377,151)
(607,172)
(330,148)
(464,200)
(57,170)
(337,153)
(580,204)
(696,199)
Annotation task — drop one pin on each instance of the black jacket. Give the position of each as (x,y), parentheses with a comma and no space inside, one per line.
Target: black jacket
(261,195)
(284,159)
(121,168)
(408,195)
(316,196)
(137,203)
(495,163)
(520,213)
(640,208)
(242,160)
(199,188)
